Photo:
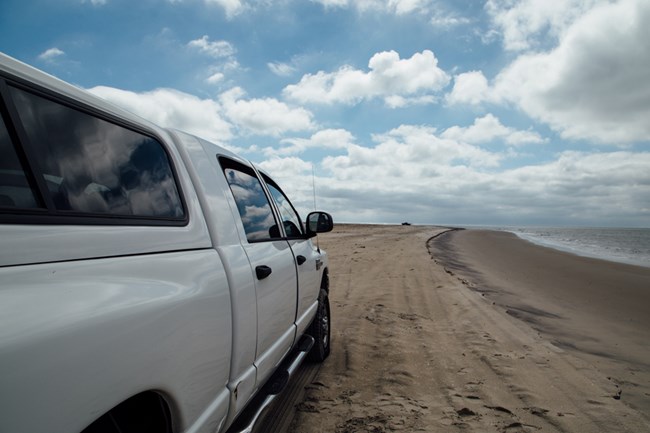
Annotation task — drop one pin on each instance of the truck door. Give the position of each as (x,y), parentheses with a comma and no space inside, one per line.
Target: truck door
(272,265)
(305,253)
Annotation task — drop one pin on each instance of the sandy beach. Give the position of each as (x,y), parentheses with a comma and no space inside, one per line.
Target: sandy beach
(437,331)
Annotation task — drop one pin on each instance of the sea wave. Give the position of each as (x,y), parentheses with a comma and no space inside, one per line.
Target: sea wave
(624,245)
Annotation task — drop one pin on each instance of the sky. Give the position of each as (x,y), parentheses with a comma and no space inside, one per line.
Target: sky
(466,112)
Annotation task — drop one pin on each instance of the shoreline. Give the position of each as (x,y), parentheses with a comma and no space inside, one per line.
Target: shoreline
(577,250)
(527,233)
(597,309)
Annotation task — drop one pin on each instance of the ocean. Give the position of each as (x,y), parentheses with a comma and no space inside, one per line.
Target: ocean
(624,245)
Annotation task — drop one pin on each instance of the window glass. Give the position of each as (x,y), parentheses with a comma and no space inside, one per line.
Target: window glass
(93,166)
(290,218)
(253,206)
(15,190)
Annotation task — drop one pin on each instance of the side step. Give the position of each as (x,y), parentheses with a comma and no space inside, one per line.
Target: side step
(275,385)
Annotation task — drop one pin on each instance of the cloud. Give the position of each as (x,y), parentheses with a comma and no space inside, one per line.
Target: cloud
(173,109)
(584,187)
(397,101)
(594,85)
(445,21)
(51,54)
(95,2)
(333,3)
(222,52)
(208,118)
(388,76)
(407,151)
(294,175)
(230,7)
(397,7)
(292,165)
(469,88)
(266,116)
(401,7)
(216,49)
(523,24)
(215,78)
(281,69)
(489,128)
(414,174)
(325,139)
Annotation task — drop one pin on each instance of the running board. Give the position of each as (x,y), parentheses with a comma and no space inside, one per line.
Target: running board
(275,385)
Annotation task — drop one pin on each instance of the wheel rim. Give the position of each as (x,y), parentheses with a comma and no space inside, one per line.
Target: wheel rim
(325,325)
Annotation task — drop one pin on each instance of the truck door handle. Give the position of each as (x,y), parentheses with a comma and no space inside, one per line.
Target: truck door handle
(301,260)
(262,272)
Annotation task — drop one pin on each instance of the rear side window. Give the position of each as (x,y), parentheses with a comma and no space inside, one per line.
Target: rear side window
(93,166)
(15,190)
(252,203)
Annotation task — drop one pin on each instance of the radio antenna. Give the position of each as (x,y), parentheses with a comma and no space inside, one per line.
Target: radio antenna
(313,187)
(313,184)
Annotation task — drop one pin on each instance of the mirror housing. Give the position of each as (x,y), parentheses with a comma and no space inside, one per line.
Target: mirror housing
(319,222)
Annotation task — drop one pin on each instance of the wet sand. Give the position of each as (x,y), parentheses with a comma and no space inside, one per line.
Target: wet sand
(597,309)
(460,334)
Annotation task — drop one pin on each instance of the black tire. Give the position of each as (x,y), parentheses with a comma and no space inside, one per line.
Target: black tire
(320,329)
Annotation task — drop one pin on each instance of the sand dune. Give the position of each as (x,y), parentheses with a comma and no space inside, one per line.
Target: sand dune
(424,344)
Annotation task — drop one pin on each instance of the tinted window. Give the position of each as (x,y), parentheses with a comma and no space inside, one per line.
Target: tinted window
(93,166)
(15,190)
(253,206)
(290,218)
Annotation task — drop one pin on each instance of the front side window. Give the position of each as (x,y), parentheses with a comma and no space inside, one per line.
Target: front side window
(15,190)
(290,218)
(252,204)
(94,166)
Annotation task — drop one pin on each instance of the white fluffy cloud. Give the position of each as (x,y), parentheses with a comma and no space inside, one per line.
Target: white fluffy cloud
(397,101)
(409,151)
(413,174)
(333,3)
(521,23)
(489,128)
(388,76)
(469,88)
(445,21)
(582,187)
(216,49)
(230,7)
(266,116)
(215,78)
(281,69)
(594,85)
(291,165)
(325,139)
(223,55)
(398,7)
(208,118)
(51,54)
(173,109)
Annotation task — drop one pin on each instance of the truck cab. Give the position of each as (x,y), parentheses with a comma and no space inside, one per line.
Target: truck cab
(151,281)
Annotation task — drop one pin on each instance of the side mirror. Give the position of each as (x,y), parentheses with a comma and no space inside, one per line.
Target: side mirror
(319,222)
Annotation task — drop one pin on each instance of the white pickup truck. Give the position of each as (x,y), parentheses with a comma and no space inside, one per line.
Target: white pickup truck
(150,281)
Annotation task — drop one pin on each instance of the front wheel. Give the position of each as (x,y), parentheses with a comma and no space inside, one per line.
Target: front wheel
(320,329)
